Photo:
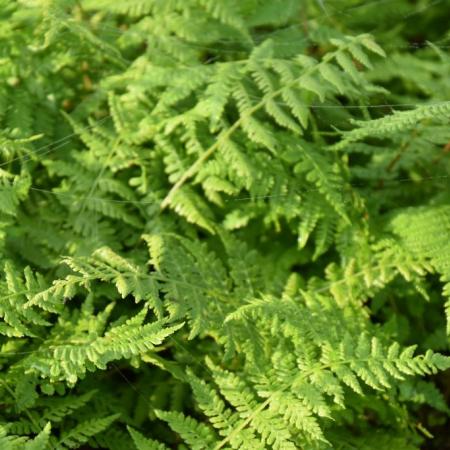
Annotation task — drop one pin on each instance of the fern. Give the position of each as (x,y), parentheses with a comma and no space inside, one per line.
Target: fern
(80,434)
(224,224)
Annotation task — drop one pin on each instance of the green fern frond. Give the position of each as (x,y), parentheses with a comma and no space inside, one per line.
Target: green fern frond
(85,430)
(143,443)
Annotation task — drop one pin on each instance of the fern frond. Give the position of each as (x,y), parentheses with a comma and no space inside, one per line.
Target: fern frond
(249,123)
(85,430)
(195,434)
(399,121)
(143,443)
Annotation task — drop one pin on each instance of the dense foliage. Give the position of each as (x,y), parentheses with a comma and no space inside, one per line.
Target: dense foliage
(224,224)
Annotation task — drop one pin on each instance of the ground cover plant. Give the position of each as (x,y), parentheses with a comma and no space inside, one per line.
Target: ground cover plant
(224,224)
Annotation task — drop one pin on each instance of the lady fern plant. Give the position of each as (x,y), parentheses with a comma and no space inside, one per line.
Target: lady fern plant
(224,224)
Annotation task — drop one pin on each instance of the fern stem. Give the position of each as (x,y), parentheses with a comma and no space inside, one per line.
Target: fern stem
(192,170)
(402,151)
(243,424)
